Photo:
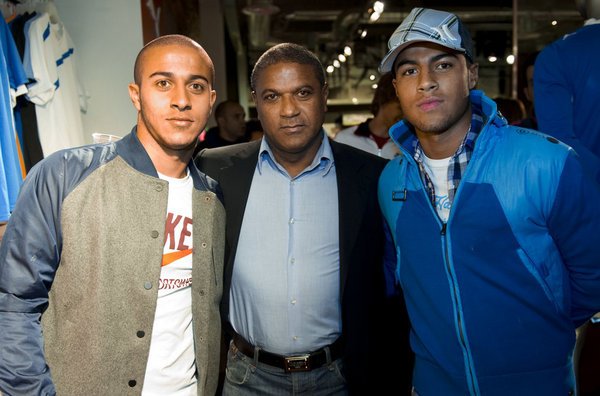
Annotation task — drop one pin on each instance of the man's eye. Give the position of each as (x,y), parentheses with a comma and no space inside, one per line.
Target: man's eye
(444,66)
(303,93)
(197,87)
(409,72)
(163,84)
(270,97)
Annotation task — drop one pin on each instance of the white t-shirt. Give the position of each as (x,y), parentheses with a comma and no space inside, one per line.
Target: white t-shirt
(437,170)
(171,368)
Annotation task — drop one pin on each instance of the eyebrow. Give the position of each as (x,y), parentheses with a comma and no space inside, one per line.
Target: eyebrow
(431,60)
(171,75)
(276,91)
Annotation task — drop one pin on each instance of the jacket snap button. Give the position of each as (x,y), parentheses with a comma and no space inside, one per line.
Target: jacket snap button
(159,188)
(207,199)
(147,285)
(204,244)
(132,383)
(201,292)
(154,234)
(140,334)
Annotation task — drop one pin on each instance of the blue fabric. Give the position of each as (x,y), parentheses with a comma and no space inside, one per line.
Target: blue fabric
(494,295)
(302,264)
(12,77)
(567,87)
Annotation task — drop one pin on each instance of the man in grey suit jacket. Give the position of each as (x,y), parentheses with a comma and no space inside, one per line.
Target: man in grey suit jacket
(303,281)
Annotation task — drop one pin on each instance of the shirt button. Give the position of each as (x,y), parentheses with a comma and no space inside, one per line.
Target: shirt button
(293,301)
(140,334)
(147,285)
(154,234)
(159,187)
(295,338)
(132,383)
(293,260)
(292,220)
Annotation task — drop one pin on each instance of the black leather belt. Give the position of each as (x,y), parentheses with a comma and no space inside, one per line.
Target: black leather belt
(290,364)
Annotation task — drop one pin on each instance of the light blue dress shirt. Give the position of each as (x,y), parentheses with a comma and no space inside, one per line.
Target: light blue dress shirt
(285,287)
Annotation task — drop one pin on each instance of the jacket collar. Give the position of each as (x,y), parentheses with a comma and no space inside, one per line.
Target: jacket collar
(402,132)
(133,152)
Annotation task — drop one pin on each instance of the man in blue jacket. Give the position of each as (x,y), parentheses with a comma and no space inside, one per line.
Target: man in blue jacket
(496,227)
(567,80)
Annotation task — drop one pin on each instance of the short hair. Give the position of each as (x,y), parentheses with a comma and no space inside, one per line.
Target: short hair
(385,93)
(287,53)
(221,107)
(170,39)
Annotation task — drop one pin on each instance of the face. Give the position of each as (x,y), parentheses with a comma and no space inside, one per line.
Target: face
(433,84)
(291,106)
(233,121)
(174,97)
(392,112)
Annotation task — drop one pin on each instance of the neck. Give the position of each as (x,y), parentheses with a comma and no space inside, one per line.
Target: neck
(294,163)
(172,163)
(444,144)
(379,127)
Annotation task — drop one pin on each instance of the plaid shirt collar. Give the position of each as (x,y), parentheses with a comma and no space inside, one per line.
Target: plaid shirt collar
(458,162)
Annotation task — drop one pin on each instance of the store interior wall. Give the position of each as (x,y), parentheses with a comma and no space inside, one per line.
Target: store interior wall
(107,36)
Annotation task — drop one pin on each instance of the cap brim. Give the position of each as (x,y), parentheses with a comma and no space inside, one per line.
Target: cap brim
(387,63)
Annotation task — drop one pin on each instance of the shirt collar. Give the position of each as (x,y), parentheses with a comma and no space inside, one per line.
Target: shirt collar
(591,21)
(323,159)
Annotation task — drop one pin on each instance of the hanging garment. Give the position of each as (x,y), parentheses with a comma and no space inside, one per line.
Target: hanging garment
(57,93)
(24,111)
(12,84)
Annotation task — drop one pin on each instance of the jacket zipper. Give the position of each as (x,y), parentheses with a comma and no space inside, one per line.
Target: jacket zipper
(471,377)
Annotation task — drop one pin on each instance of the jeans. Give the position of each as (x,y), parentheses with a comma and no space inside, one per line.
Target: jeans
(247,376)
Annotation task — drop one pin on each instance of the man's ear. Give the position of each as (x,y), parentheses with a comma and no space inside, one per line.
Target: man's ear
(325,93)
(473,75)
(213,98)
(134,94)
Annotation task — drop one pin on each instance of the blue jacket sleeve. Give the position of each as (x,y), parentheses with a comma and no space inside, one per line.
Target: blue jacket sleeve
(29,256)
(553,93)
(574,223)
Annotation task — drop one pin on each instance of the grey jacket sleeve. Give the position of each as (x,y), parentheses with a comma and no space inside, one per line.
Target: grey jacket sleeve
(29,257)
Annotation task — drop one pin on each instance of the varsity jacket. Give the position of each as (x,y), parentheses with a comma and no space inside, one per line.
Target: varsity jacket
(494,295)
(82,251)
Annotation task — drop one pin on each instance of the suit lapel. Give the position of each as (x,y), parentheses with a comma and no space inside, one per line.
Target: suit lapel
(352,196)
(235,180)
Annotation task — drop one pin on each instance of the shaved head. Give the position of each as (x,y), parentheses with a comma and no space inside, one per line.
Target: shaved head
(163,41)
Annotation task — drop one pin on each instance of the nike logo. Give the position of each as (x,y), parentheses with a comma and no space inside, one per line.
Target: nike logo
(169,258)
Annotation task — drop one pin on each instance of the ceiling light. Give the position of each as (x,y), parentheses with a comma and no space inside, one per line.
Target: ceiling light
(510,59)
(354,100)
(492,58)
(363,34)
(374,16)
(554,22)
(347,50)
(342,58)
(374,86)
(337,63)
(330,69)
(378,6)
(372,77)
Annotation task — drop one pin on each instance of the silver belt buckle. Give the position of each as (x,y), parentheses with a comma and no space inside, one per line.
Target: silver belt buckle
(296,363)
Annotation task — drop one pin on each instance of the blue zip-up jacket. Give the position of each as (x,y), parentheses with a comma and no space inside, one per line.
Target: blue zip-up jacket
(495,294)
